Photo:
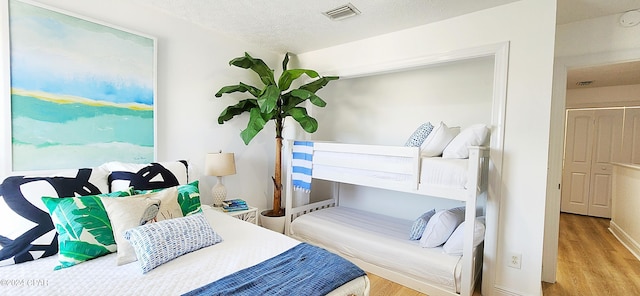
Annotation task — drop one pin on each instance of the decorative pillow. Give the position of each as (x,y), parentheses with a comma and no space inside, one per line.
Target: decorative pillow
(158,243)
(125,213)
(26,230)
(419,135)
(420,224)
(188,197)
(438,139)
(454,244)
(440,227)
(84,229)
(474,135)
(146,176)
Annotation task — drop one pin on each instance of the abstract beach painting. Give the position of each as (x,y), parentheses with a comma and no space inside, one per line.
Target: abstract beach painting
(82,92)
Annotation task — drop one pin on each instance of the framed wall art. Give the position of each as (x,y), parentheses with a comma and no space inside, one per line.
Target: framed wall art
(82,92)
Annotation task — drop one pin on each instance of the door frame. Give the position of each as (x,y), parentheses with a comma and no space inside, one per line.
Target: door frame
(556,147)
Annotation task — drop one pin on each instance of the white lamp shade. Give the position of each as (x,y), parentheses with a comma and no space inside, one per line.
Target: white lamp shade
(220,164)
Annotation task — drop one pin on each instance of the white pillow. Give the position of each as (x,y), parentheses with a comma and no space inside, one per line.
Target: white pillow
(127,212)
(453,246)
(418,227)
(474,135)
(441,226)
(438,139)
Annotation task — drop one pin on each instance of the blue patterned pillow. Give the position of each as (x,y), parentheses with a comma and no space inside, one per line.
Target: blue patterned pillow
(420,224)
(163,241)
(419,135)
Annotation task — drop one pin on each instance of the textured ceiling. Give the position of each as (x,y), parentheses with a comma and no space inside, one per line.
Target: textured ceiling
(299,26)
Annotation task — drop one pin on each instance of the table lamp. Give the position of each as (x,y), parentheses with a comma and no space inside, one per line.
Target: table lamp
(219,164)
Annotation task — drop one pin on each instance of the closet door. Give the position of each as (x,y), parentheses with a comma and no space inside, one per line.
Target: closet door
(607,148)
(631,138)
(576,173)
(593,140)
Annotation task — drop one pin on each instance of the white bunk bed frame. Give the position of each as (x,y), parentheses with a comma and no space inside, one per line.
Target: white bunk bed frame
(477,184)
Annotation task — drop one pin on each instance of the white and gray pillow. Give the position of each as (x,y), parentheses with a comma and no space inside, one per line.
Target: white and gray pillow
(441,226)
(161,242)
(419,135)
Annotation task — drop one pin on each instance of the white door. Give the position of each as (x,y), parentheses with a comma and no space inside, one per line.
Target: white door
(607,148)
(631,137)
(576,173)
(593,140)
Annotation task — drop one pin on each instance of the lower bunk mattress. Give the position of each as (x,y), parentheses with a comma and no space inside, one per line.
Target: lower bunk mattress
(244,245)
(379,240)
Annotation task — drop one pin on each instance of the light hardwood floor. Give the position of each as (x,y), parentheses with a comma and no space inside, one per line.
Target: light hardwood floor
(591,261)
(383,287)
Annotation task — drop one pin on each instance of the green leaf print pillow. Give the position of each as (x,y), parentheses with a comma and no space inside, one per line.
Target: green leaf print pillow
(188,197)
(84,229)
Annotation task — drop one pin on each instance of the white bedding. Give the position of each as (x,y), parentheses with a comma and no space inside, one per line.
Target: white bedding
(444,172)
(380,240)
(244,245)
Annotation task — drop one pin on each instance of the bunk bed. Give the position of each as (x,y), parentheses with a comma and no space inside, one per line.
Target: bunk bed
(404,169)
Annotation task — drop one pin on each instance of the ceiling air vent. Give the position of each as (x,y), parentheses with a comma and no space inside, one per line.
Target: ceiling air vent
(342,12)
(584,83)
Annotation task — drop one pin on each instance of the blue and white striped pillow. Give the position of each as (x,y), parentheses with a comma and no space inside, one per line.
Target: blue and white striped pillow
(163,241)
(420,225)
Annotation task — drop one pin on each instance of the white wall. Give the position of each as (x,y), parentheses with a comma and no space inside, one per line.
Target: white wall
(529,26)
(192,64)
(592,42)
(609,96)
(385,109)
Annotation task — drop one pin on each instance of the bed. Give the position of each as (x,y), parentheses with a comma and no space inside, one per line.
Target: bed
(242,248)
(378,243)
(239,247)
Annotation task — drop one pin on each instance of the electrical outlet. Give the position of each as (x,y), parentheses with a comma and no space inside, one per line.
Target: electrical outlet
(515,260)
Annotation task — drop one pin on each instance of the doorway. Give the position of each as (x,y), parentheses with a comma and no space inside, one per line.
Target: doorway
(556,147)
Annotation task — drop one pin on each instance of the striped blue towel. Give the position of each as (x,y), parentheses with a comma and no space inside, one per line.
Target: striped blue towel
(302,163)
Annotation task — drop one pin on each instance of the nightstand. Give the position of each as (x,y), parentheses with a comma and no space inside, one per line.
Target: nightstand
(250,215)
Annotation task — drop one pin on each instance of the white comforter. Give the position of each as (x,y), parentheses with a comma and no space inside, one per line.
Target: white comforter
(244,245)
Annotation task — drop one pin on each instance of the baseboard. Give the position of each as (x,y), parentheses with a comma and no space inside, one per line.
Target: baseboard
(626,240)
(502,291)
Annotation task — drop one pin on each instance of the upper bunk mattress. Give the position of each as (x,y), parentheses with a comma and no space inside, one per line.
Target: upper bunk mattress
(380,240)
(444,172)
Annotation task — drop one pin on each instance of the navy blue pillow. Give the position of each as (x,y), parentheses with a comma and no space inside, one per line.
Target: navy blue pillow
(27,232)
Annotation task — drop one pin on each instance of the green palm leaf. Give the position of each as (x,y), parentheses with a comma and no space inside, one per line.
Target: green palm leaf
(189,199)
(62,209)
(95,220)
(72,252)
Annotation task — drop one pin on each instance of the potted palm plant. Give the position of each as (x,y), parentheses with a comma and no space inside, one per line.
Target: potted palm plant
(274,100)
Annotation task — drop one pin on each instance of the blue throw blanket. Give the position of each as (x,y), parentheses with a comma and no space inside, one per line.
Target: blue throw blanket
(301,270)
(302,165)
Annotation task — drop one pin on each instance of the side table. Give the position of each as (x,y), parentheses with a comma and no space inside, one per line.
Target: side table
(250,215)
